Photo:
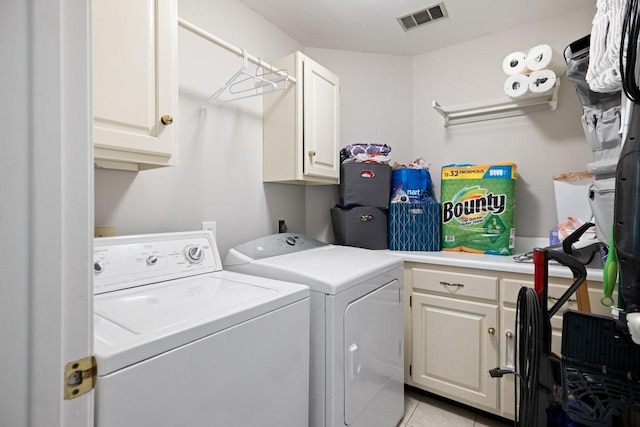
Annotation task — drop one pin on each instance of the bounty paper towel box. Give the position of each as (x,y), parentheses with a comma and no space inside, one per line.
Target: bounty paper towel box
(478,208)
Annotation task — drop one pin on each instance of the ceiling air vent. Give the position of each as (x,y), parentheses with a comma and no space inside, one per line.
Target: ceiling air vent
(424,16)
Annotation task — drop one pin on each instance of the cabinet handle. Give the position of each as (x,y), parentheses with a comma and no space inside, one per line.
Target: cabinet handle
(492,331)
(457,285)
(552,299)
(508,350)
(312,153)
(166,119)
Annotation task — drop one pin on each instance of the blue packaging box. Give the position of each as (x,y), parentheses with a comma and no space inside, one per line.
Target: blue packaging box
(414,226)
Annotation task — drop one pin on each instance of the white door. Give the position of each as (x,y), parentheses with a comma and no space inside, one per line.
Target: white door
(46,214)
(373,334)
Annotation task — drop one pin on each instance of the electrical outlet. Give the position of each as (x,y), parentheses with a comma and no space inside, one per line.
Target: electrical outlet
(210,225)
(104,231)
(282,227)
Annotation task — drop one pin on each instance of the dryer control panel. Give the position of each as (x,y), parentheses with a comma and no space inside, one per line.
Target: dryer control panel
(270,246)
(129,261)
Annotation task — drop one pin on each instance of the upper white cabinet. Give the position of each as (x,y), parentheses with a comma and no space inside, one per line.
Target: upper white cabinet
(135,85)
(302,126)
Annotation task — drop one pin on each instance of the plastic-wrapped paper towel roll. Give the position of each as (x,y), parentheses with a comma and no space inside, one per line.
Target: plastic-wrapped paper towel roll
(516,86)
(515,63)
(542,57)
(541,82)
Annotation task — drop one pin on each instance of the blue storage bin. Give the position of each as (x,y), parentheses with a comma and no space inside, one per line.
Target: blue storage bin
(414,226)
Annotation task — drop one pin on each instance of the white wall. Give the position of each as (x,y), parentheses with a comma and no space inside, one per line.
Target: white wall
(219,176)
(384,98)
(542,144)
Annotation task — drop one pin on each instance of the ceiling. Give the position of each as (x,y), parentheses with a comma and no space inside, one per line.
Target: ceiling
(371,25)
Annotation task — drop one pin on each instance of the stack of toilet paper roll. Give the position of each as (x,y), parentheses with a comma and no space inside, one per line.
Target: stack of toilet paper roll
(532,73)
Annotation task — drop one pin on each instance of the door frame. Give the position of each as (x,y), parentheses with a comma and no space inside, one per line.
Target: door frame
(46,212)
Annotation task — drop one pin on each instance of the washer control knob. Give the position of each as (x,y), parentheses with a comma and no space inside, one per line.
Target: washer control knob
(290,241)
(152,260)
(194,254)
(98,267)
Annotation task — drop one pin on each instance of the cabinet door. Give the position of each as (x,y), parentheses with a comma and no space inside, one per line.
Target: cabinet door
(321,121)
(555,290)
(455,344)
(134,80)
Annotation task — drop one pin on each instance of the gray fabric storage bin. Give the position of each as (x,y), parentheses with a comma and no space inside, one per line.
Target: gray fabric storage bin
(361,226)
(365,184)
(602,200)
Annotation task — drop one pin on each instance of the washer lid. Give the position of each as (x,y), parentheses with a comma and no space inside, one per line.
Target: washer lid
(138,323)
(330,269)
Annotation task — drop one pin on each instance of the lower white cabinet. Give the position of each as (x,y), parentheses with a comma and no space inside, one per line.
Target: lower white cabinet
(460,323)
(454,319)
(454,346)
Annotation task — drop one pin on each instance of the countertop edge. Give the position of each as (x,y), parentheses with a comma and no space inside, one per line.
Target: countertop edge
(488,262)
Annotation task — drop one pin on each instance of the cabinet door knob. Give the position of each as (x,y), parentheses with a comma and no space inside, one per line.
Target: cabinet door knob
(509,334)
(166,119)
(492,331)
(312,153)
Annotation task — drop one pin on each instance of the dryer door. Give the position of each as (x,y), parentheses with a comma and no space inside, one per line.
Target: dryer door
(373,348)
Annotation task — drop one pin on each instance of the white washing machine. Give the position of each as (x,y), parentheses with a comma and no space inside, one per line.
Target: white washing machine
(180,342)
(357,376)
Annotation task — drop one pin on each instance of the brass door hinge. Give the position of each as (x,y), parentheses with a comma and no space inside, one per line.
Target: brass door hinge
(80,377)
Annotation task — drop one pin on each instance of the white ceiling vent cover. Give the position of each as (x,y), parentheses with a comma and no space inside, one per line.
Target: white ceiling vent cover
(424,16)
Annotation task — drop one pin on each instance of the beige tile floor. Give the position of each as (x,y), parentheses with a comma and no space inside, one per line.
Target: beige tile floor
(421,410)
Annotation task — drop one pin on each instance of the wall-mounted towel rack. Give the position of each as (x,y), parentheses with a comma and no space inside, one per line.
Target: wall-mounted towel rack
(266,80)
(496,109)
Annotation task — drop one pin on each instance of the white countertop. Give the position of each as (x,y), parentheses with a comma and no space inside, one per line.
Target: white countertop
(494,262)
(489,262)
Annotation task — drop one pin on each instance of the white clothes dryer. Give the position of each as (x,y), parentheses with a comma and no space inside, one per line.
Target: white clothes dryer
(357,376)
(180,342)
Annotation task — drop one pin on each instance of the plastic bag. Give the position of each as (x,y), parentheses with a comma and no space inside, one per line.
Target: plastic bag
(414,180)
